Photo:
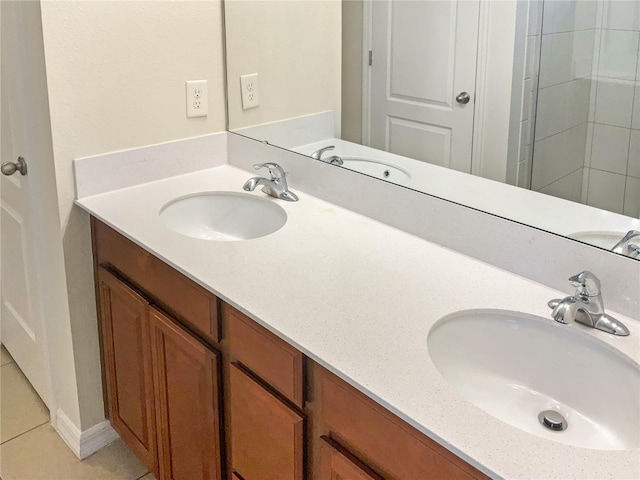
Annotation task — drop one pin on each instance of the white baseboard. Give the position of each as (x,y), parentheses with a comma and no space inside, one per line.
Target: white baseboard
(87,442)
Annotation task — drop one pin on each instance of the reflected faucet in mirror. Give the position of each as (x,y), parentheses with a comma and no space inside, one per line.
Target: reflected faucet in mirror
(333,159)
(625,247)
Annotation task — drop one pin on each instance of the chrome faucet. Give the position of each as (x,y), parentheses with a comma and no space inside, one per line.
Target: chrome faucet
(586,306)
(333,159)
(276,186)
(625,247)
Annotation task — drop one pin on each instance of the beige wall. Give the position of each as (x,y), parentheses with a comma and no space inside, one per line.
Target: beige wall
(352,50)
(294,46)
(116,73)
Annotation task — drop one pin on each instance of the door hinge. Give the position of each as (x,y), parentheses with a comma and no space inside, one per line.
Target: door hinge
(370,57)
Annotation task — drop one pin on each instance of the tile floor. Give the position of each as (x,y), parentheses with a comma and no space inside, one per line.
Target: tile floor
(30,449)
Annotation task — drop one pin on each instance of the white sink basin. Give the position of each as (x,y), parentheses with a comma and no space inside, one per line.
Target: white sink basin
(377,169)
(514,366)
(224,216)
(600,239)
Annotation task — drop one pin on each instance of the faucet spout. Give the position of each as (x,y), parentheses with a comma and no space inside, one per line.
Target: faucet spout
(567,310)
(253,183)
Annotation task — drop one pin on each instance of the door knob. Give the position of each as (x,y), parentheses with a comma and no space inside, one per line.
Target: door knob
(9,168)
(463,97)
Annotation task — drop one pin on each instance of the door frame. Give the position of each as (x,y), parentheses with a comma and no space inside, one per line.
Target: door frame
(489,79)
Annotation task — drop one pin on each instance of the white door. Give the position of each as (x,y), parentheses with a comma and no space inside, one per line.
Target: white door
(22,329)
(424,56)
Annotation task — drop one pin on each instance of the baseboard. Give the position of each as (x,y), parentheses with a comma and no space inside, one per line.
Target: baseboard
(87,442)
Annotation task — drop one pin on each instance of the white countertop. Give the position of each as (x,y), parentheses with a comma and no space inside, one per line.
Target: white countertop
(359,297)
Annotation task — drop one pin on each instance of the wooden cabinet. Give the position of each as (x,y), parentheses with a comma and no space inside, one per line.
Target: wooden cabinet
(173,368)
(267,436)
(186,379)
(336,465)
(379,439)
(270,358)
(127,366)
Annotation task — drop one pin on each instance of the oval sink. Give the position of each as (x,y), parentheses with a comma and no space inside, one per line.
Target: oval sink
(224,216)
(516,366)
(377,169)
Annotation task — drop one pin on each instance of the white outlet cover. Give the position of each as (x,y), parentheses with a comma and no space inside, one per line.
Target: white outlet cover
(197,98)
(249,90)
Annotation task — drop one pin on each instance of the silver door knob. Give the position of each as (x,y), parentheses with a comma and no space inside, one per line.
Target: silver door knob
(9,168)
(463,98)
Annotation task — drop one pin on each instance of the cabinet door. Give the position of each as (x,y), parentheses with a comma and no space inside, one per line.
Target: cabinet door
(266,435)
(187,384)
(127,366)
(336,466)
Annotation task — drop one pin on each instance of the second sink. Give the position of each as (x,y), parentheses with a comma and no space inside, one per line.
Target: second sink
(223,216)
(522,368)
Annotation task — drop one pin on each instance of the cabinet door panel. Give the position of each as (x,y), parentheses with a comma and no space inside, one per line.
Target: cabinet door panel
(127,364)
(266,435)
(186,379)
(336,466)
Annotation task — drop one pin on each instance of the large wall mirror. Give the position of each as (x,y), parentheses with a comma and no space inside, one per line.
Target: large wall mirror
(526,109)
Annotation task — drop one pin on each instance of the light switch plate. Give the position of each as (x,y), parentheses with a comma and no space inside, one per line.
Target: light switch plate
(249,88)
(197,98)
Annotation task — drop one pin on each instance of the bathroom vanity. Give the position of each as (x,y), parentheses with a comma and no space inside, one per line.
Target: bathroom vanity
(179,364)
(303,354)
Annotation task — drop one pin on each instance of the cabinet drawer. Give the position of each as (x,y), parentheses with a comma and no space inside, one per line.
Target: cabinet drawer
(380,439)
(186,300)
(270,358)
(267,437)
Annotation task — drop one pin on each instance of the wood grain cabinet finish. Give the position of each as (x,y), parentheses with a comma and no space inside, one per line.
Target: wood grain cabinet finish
(272,359)
(187,385)
(335,465)
(191,304)
(267,436)
(381,440)
(127,366)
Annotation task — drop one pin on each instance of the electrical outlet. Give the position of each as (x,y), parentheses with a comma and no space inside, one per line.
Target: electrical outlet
(249,88)
(197,99)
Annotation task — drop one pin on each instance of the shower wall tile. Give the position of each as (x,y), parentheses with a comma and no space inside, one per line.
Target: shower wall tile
(561,107)
(621,15)
(614,102)
(568,187)
(566,56)
(588,145)
(610,148)
(618,54)
(606,190)
(632,197)
(568,16)
(558,156)
(635,121)
(633,166)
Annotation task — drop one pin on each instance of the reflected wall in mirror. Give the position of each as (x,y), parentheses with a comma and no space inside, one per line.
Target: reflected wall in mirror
(525,109)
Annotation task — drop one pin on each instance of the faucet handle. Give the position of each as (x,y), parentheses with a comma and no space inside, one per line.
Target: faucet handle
(317,155)
(586,283)
(275,170)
